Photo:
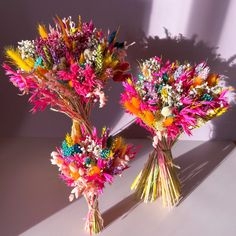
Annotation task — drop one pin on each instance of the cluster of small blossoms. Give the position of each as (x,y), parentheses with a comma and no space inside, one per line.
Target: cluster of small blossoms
(169,98)
(26,48)
(91,160)
(92,146)
(71,61)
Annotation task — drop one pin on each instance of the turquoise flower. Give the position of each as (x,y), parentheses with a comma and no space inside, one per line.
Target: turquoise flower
(70,150)
(105,153)
(39,62)
(207,97)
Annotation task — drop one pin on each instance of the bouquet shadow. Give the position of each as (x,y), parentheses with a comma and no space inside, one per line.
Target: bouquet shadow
(129,203)
(196,166)
(120,210)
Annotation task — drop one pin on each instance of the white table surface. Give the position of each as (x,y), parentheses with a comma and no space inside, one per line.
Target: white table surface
(208,207)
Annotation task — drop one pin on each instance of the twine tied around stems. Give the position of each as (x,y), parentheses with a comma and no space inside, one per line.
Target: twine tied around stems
(94,221)
(164,145)
(168,153)
(94,210)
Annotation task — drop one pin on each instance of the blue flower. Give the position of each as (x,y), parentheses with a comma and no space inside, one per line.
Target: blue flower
(206,97)
(77,148)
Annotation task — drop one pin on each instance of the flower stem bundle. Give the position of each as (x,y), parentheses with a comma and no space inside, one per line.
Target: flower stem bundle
(158,177)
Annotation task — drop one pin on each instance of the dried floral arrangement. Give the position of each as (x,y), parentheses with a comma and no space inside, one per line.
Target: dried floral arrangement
(169,99)
(67,68)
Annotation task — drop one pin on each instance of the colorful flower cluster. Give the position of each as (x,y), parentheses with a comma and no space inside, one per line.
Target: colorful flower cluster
(91,161)
(169,98)
(67,66)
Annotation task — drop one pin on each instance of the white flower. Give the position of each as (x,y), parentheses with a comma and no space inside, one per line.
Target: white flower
(166,111)
(88,54)
(102,98)
(71,197)
(159,125)
(54,159)
(127,158)
(81,172)
(204,73)
(26,48)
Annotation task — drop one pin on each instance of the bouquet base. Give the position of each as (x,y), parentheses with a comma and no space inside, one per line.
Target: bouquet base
(94,221)
(146,183)
(158,177)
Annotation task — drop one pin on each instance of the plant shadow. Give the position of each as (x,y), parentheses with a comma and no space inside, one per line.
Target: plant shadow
(120,210)
(197,164)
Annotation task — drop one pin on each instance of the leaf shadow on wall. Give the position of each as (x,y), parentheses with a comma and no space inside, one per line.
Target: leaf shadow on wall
(194,51)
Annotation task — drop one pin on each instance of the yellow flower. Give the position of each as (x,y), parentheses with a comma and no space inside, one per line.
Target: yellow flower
(118,142)
(42,31)
(15,57)
(220,111)
(164,93)
(69,140)
(129,81)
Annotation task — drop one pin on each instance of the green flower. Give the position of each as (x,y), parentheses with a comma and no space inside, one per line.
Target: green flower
(165,77)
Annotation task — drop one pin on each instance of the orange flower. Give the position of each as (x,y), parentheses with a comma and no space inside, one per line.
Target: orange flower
(81,59)
(212,79)
(168,121)
(41,70)
(197,81)
(171,79)
(94,170)
(148,117)
(136,102)
(145,71)
(130,107)
(59,161)
(75,175)
(70,83)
